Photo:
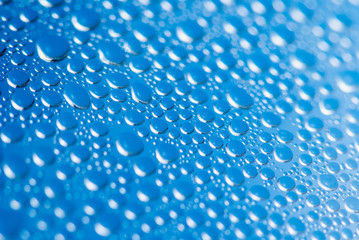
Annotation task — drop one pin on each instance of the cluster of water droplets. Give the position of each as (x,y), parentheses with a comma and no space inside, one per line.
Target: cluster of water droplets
(179,119)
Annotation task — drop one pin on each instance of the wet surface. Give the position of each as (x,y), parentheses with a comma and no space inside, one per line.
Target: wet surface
(179,119)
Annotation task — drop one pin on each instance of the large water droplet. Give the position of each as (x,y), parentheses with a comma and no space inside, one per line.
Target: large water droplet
(76,96)
(85,20)
(129,144)
(239,98)
(166,153)
(352,204)
(328,182)
(17,78)
(348,81)
(189,31)
(52,48)
(111,53)
(22,100)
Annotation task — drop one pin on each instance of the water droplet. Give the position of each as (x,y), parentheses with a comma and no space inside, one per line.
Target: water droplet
(76,96)
(141,92)
(166,153)
(11,133)
(183,190)
(282,153)
(328,182)
(235,148)
(234,177)
(286,183)
(52,48)
(189,31)
(85,20)
(50,3)
(295,226)
(17,78)
(111,53)
(22,100)
(258,193)
(239,98)
(129,144)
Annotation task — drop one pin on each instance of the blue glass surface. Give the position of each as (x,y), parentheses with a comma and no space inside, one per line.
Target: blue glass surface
(166,119)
